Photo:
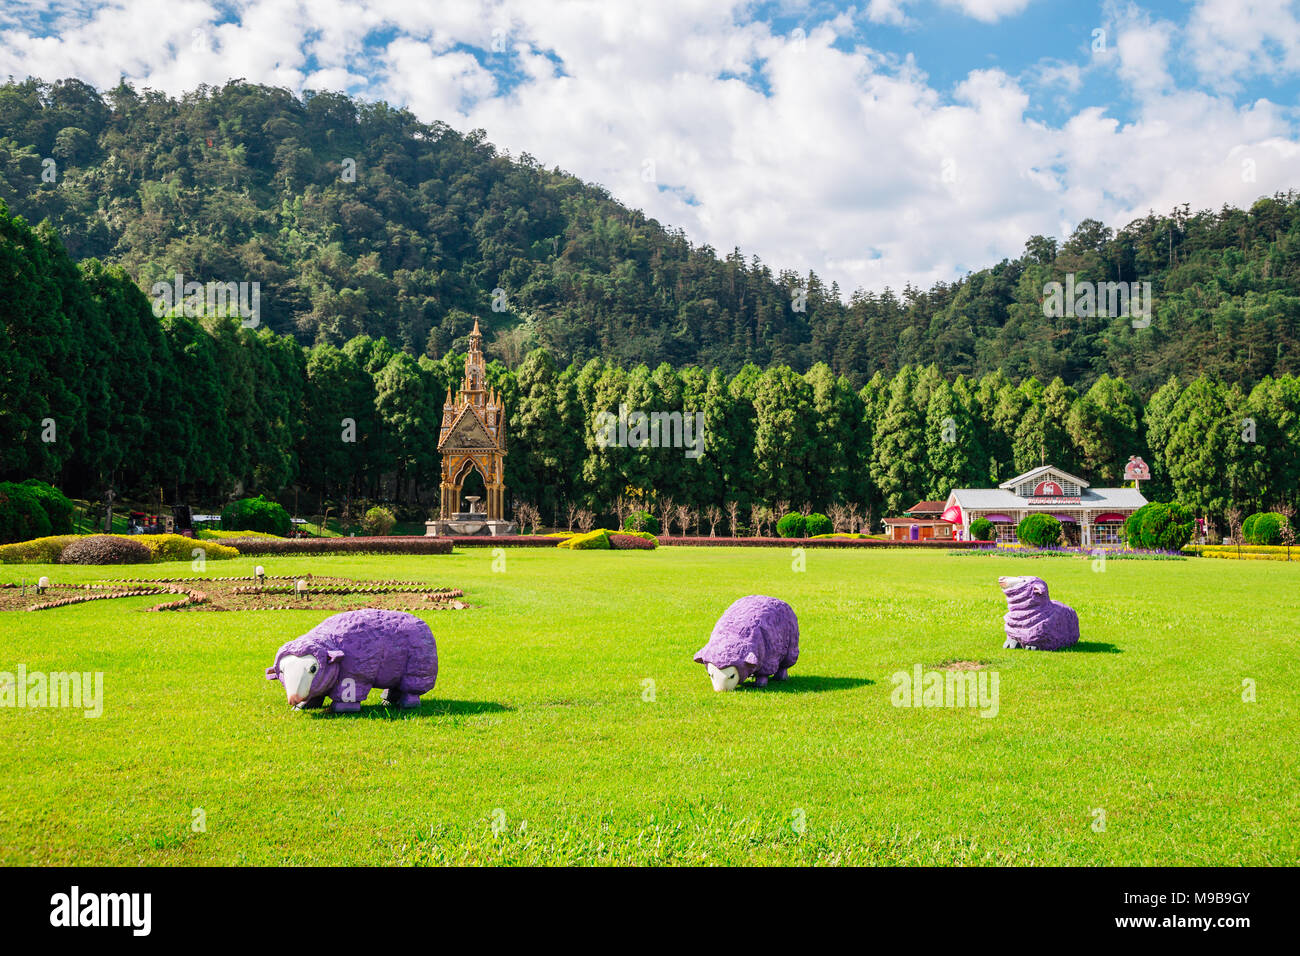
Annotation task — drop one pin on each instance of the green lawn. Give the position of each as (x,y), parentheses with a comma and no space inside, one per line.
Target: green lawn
(538,723)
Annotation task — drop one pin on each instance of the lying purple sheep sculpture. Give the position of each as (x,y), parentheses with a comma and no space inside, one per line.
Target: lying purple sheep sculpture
(756,637)
(347,655)
(1034,621)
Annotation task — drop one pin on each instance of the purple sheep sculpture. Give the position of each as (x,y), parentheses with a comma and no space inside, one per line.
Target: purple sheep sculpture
(1034,621)
(756,637)
(345,656)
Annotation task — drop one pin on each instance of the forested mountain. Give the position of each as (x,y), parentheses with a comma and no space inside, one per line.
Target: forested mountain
(358,219)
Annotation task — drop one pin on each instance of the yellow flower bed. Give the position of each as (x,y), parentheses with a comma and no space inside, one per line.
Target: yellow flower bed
(1258,552)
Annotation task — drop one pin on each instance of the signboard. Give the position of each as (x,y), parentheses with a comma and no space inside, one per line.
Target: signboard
(1136,470)
(1049,492)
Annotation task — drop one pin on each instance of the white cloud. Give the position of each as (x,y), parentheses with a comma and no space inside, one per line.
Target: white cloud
(1231,40)
(1143,47)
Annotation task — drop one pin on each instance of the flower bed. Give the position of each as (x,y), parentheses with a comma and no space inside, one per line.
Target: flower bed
(1137,554)
(1247,552)
(250,547)
(1257,552)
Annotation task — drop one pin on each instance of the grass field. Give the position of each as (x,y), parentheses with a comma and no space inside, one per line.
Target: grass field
(543,743)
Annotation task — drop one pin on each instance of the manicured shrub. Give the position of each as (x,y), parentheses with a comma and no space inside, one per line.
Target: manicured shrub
(177,547)
(37,551)
(378,521)
(57,506)
(641,521)
(632,542)
(817,523)
(792,525)
(1132,532)
(1164,527)
(105,549)
(249,547)
(22,517)
(982,529)
(592,540)
(1265,528)
(256,514)
(1039,530)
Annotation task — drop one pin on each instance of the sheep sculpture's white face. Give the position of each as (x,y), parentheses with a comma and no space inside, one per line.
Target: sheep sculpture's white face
(724,678)
(1010,583)
(297,673)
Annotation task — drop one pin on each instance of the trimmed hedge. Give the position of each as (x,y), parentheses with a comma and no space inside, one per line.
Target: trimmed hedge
(982,529)
(250,547)
(22,516)
(1040,530)
(816,525)
(105,549)
(37,551)
(632,542)
(177,547)
(592,540)
(641,521)
(834,541)
(792,525)
(256,514)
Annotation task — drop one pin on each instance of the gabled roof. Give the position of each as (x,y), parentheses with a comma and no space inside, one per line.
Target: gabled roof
(1043,469)
(926,507)
(985,499)
(468,432)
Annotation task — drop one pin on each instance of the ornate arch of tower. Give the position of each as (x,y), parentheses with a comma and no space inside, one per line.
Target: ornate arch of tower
(473,436)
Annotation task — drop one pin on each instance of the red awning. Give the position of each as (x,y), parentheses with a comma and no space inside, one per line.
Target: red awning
(1108,517)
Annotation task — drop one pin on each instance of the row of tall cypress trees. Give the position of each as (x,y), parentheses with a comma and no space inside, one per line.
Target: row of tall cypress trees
(97,391)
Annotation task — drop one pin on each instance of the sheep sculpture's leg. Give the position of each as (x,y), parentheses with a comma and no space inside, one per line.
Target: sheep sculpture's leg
(359,693)
(782,674)
(760,681)
(1011,642)
(397,697)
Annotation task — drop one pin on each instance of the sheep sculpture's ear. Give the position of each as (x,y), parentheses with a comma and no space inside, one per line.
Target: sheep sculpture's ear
(1040,586)
(334,655)
(272,673)
(751,658)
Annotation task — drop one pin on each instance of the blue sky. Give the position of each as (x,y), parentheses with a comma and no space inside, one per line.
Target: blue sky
(878,143)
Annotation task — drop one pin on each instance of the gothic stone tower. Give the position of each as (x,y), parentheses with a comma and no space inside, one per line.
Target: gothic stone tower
(473,436)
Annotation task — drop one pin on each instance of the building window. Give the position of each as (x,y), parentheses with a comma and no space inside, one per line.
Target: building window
(1006,532)
(1107,533)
